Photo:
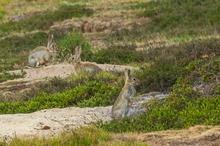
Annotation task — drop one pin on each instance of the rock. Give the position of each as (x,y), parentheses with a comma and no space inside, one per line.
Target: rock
(137,107)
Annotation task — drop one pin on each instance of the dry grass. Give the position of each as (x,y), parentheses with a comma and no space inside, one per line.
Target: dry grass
(24,7)
(85,136)
(197,135)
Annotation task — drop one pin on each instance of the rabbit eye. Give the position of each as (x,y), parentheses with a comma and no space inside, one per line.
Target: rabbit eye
(134,79)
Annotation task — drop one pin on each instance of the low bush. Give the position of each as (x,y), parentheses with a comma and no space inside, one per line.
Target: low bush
(118,54)
(70,41)
(167,64)
(202,72)
(82,91)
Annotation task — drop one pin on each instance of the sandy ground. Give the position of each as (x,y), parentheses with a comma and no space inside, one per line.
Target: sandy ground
(34,75)
(61,70)
(50,122)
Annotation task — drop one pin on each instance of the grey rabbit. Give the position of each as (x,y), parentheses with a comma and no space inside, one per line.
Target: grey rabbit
(80,66)
(122,105)
(43,55)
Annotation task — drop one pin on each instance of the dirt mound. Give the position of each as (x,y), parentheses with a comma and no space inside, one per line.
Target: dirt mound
(35,75)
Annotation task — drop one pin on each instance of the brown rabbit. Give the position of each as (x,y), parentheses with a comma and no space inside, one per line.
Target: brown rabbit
(80,66)
(121,107)
(43,55)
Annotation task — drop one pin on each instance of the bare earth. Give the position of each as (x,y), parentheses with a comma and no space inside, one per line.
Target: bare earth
(50,122)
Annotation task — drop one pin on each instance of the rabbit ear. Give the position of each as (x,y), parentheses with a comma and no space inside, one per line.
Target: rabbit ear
(127,73)
(78,51)
(50,40)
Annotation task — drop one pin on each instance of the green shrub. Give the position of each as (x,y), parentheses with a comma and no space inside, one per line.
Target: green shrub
(203,70)
(68,44)
(90,94)
(167,64)
(118,54)
(82,91)
(160,75)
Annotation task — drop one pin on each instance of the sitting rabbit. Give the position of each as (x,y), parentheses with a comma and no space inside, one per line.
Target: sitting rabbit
(80,66)
(43,55)
(122,105)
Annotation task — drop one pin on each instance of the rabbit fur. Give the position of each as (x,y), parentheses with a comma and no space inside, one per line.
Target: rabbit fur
(80,66)
(122,105)
(43,55)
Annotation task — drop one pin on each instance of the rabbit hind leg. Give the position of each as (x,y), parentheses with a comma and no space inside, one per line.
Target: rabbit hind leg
(37,64)
(128,112)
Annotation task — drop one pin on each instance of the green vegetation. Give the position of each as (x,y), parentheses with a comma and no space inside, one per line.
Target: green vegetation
(179,20)
(167,64)
(86,136)
(118,54)
(89,92)
(70,41)
(7,76)
(45,20)
(170,15)
(3,3)
(2,13)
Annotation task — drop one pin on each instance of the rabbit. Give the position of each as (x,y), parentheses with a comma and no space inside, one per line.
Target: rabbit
(80,66)
(43,55)
(122,105)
